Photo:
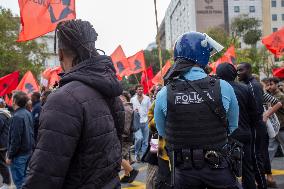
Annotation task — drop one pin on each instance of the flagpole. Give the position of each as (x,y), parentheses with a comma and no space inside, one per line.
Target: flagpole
(158,40)
(136,78)
(147,81)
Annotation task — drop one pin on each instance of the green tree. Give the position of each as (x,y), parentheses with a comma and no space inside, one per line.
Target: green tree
(14,55)
(248,28)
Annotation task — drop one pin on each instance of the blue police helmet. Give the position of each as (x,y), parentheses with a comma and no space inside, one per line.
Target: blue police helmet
(196,47)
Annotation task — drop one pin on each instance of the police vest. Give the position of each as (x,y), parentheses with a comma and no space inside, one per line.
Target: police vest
(190,122)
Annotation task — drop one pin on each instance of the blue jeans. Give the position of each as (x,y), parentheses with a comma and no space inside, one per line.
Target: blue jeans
(141,139)
(18,169)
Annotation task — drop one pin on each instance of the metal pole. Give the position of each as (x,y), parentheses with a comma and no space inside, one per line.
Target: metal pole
(158,40)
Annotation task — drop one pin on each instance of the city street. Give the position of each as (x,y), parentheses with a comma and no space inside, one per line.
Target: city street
(139,183)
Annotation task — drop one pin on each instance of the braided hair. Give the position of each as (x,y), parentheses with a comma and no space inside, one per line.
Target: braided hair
(78,38)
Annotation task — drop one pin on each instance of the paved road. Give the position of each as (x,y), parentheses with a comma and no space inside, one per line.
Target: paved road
(139,183)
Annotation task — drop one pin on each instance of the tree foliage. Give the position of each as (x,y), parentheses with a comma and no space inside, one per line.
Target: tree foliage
(14,55)
(248,28)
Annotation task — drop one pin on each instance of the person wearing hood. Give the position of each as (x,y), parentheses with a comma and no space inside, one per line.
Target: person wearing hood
(78,144)
(247,119)
(5,117)
(192,112)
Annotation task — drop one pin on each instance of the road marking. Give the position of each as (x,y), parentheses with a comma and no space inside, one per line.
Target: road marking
(277,172)
(136,185)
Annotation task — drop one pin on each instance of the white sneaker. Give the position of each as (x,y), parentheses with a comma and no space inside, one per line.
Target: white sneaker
(4,186)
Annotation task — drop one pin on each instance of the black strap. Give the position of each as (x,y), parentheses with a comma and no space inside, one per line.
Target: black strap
(214,107)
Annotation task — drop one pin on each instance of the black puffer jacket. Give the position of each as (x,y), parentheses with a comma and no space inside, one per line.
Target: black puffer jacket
(78,144)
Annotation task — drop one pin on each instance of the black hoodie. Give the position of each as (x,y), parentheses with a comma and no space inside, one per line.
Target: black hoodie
(78,143)
(248,116)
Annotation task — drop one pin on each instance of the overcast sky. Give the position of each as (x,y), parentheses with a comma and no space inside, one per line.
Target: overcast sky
(130,23)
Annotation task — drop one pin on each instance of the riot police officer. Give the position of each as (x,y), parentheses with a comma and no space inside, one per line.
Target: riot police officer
(195,113)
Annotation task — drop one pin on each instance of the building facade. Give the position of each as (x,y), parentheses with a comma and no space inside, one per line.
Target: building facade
(273,16)
(199,15)
(52,60)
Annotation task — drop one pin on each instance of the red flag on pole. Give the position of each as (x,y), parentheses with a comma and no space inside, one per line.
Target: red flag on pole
(158,78)
(41,17)
(8,83)
(28,84)
(275,42)
(137,63)
(229,57)
(54,77)
(120,62)
(51,75)
(146,79)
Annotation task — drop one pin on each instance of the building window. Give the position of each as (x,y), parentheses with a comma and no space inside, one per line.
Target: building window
(282,3)
(251,8)
(273,3)
(236,8)
(274,29)
(274,17)
(283,17)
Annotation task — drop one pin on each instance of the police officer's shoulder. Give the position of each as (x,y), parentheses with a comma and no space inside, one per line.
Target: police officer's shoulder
(162,92)
(226,85)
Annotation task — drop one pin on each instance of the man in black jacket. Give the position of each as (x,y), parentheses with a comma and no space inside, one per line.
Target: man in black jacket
(247,119)
(35,98)
(260,137)
(80,124)
(5,117)
(21,139)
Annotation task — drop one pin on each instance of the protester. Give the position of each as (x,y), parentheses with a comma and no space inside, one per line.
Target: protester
(271,105)
(279,139)
(127,140)
(195,126)
(260,136)
(281,86)
(29,105)
(248,117)
(44,96)
(141,104)
(5,117)
(81,123)
(35,98)
(21,139)
(158,172)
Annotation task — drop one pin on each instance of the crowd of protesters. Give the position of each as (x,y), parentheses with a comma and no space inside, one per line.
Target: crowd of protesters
(81,135)
(18,132)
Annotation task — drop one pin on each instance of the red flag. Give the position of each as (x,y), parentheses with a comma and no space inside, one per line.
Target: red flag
(8,83)
(146,79)
(28,84)
(120,62)
(278,72)
(51,75)
(136,63)
(8,100)
(229,56)
(158,78)
(41,17)
(275,42)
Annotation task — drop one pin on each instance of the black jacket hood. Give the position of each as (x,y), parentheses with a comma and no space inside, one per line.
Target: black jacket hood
(98,73)
(226,71)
